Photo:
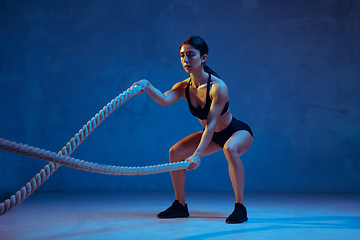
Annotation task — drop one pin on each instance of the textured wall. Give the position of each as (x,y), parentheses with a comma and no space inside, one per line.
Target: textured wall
(292,68)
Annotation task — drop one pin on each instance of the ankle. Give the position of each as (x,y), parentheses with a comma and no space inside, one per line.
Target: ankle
(242,203)
(182,202)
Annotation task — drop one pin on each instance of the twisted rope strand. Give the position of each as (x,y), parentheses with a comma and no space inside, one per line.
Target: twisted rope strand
(42,154)
(69,148)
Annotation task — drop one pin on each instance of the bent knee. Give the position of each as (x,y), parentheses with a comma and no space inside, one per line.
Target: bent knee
(174,155)
(231,153)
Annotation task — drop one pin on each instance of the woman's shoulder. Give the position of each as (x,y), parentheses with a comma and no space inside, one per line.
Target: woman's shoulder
(182,84)
(219,83)
(218,86)
(180,87)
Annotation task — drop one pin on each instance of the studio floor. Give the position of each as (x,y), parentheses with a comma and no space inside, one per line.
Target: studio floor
(133,216)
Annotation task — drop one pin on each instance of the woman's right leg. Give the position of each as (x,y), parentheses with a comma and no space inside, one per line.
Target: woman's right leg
(179,152)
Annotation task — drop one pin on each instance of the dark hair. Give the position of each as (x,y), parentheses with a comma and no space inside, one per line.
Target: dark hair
(199,44)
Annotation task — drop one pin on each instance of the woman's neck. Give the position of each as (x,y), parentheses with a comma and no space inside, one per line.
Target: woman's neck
(199,78)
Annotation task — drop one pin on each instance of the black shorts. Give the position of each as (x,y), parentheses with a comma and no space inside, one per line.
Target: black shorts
(235,125)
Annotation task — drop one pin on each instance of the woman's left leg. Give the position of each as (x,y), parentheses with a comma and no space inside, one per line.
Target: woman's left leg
(234,147)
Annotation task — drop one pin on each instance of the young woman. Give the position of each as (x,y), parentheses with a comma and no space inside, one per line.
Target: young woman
(207,97)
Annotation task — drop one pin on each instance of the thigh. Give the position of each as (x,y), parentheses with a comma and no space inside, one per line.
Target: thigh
(240,142)
(187,146)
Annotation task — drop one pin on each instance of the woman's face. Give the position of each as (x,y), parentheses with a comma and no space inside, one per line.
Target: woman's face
(191,59)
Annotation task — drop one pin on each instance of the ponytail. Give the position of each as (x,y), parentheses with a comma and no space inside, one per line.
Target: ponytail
(209,70)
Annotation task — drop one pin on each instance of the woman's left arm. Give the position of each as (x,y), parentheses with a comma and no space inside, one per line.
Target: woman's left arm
(219,93)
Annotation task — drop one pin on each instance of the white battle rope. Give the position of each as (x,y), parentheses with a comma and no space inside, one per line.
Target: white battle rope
(62,158)
(42,154)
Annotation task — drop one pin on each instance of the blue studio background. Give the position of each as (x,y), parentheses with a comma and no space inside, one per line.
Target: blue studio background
(292,68)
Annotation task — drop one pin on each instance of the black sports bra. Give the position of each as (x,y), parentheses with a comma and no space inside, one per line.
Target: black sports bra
(202,113)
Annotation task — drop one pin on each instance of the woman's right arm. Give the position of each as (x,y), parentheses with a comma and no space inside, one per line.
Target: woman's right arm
(163,99)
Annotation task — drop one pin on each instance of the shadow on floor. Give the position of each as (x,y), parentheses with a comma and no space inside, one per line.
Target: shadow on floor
(320,222)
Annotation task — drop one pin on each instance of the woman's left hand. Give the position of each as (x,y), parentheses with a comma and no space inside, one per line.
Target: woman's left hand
(194,162)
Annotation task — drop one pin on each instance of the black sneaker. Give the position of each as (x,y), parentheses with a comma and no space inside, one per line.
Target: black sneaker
(239,215)
(176,210)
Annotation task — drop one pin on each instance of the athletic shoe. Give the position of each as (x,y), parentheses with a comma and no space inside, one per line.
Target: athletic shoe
(239,215)
(176,210)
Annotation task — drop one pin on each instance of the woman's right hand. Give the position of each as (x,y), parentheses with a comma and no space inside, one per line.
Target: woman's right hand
(144,83)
